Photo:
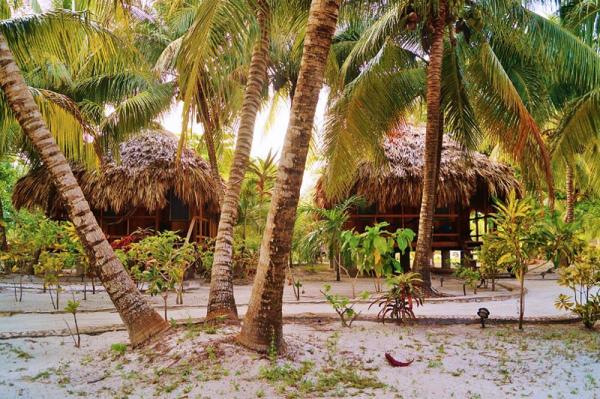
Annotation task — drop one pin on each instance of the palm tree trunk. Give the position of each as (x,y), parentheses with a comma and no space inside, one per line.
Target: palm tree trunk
(262,325)
(221,302)
(3,242)
(569,216)
(423,259)
(436,179)
(141,319)
(209,140)
(547,164)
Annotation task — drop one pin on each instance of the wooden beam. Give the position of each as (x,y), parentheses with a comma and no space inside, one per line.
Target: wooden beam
(191,229)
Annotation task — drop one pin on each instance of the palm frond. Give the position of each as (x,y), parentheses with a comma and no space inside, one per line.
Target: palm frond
(135,113)
(71,38)
(579,125)
(386,90)
(459,116)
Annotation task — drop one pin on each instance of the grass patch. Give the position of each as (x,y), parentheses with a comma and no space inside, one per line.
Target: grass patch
(21,354)
(118,349)
(307,381)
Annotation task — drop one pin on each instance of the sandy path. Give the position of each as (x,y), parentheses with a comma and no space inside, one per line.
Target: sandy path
(539,304)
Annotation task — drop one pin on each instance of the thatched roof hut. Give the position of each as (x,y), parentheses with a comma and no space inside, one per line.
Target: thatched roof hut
(468,183)
(146,176)
(467,177)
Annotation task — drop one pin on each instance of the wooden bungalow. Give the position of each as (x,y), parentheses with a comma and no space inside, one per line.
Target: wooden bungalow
(144,188)
(469,181)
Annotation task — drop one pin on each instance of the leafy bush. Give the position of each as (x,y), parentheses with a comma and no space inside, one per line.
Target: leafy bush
(582,277)
(373,250)
(342,305)
(488,257)
(160,261)
(469,276)
(244,261)
(561,241)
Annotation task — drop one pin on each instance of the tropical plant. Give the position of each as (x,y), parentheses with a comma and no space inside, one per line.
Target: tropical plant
(254,201)
(469,276)
(8,177)
(327,229)
(517,239)
(582,277)
(263,321)
(562,240)
(373,251)
(587,212)
(342,305)
(403,296)
(488,257)
(72,307)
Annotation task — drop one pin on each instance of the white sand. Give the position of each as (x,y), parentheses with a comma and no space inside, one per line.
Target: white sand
(558,361)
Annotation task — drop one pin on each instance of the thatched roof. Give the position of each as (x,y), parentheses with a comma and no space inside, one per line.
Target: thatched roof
(143,177)
(467,177)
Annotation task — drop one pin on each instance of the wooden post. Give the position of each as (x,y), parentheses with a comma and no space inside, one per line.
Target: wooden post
(405,260)
(446,265)
(191,229)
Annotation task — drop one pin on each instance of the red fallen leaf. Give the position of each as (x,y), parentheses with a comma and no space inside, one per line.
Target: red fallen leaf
(396,363)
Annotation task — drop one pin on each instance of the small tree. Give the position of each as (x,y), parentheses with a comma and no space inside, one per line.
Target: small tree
(160,282)
(342,305)
(488,257)
(72,307)
(469,276)
(517,239)
(373,250)
(50,269)
(582,277)
(329,227)
(162,260)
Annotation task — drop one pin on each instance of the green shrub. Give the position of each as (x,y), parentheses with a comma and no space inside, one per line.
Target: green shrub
(469,276)
(582,277)
(342,305)
(160,261)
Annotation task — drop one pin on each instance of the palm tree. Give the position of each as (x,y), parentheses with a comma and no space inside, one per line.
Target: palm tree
(329,227)
(221,302)
(141,319)
(262,325)
(215,92)
(576,118)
